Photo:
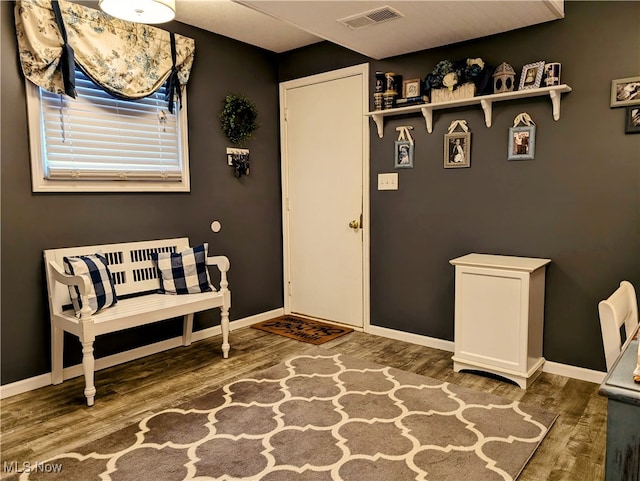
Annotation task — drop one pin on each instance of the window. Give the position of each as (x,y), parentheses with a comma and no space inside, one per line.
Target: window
(100,143)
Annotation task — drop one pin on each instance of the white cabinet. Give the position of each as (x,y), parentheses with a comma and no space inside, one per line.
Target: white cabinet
(499,315)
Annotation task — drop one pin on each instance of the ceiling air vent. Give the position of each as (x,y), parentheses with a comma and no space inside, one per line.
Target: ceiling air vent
(371,17)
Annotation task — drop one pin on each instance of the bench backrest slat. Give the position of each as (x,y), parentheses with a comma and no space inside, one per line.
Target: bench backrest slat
(130,264)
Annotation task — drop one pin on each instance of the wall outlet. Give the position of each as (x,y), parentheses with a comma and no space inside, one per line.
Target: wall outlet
(388,181)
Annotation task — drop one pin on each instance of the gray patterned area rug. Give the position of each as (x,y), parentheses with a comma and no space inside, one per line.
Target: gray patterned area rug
(320,416)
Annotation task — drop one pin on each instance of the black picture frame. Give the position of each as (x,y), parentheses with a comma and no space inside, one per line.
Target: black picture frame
(632,120)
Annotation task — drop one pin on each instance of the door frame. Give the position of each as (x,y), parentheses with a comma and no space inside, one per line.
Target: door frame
(361,70)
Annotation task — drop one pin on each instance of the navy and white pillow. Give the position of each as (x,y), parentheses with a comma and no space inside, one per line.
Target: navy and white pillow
(184,272)
(94,267)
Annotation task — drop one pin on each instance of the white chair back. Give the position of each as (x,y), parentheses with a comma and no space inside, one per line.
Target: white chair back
(620,308)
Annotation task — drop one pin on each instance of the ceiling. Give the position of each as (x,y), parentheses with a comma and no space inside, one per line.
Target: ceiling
(280,26)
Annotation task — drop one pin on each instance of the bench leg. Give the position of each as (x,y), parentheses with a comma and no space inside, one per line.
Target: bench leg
(88,365)
(224,325)
(187,329)
(57,348)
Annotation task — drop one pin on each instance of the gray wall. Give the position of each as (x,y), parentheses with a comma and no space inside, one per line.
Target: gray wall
(248,208)
(577,203)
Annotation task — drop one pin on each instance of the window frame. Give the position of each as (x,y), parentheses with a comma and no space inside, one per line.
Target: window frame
(36,147)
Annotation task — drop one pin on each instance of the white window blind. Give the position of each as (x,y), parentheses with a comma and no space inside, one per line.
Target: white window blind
(96,139)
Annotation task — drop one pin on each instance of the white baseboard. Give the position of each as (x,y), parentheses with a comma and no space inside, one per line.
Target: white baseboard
(574,371)
(412,338)
(43,380)
(551,367)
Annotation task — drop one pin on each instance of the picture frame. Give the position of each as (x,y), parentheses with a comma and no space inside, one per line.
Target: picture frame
(522,142)
(411,88)
(625,91)
(531,75)
(403,154)
(632,122)
(457,150)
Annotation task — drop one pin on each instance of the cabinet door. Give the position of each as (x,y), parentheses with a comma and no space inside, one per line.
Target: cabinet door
(491,316)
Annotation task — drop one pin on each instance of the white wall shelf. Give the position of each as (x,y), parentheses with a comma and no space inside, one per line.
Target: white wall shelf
(485,101)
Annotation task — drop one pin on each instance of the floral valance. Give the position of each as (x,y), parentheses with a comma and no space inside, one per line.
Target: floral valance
(127,59)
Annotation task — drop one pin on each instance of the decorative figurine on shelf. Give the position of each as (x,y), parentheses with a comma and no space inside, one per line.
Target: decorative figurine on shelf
(551,74)
(504,78)
(378,96)
(378,101)
(393,81)
(390,84)
(380,82)
(457,79)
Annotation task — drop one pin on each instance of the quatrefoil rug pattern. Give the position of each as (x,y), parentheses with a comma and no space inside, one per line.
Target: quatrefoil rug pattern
(321,416)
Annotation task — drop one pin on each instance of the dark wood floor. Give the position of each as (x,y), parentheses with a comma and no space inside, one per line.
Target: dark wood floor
(54,419)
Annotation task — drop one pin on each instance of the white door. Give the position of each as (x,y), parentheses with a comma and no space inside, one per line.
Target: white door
(325,139)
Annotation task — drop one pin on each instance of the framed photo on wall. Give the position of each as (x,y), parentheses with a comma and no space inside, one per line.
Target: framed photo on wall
(625,91)
(531,75)
(632,124)
(457,150)
(522,142)
(404,154)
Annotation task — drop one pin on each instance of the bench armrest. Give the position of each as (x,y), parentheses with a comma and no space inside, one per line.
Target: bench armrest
(69,280)
(83,284)
(222,263)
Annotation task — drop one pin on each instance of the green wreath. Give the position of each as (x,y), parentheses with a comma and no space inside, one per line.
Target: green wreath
(239,118)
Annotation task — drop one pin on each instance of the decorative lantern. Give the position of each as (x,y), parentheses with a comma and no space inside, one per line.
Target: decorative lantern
(504,78)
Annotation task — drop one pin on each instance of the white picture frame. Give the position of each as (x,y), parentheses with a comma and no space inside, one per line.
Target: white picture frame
(531,75)
(625,91)
(403,154)
(522,142)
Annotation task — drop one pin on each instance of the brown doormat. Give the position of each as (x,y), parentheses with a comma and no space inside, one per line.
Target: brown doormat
(301,329)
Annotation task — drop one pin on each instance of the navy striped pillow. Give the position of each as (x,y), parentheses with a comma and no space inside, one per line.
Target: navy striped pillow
(184,272)
(102,293)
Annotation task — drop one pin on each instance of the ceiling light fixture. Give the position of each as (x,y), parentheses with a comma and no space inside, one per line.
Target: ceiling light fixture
(140,11)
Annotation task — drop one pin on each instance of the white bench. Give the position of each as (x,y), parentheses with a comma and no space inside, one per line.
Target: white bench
(136,282)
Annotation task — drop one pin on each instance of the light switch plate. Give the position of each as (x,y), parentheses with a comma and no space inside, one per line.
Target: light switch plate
(388,181)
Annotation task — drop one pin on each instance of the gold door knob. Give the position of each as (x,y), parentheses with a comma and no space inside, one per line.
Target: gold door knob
(354,224)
